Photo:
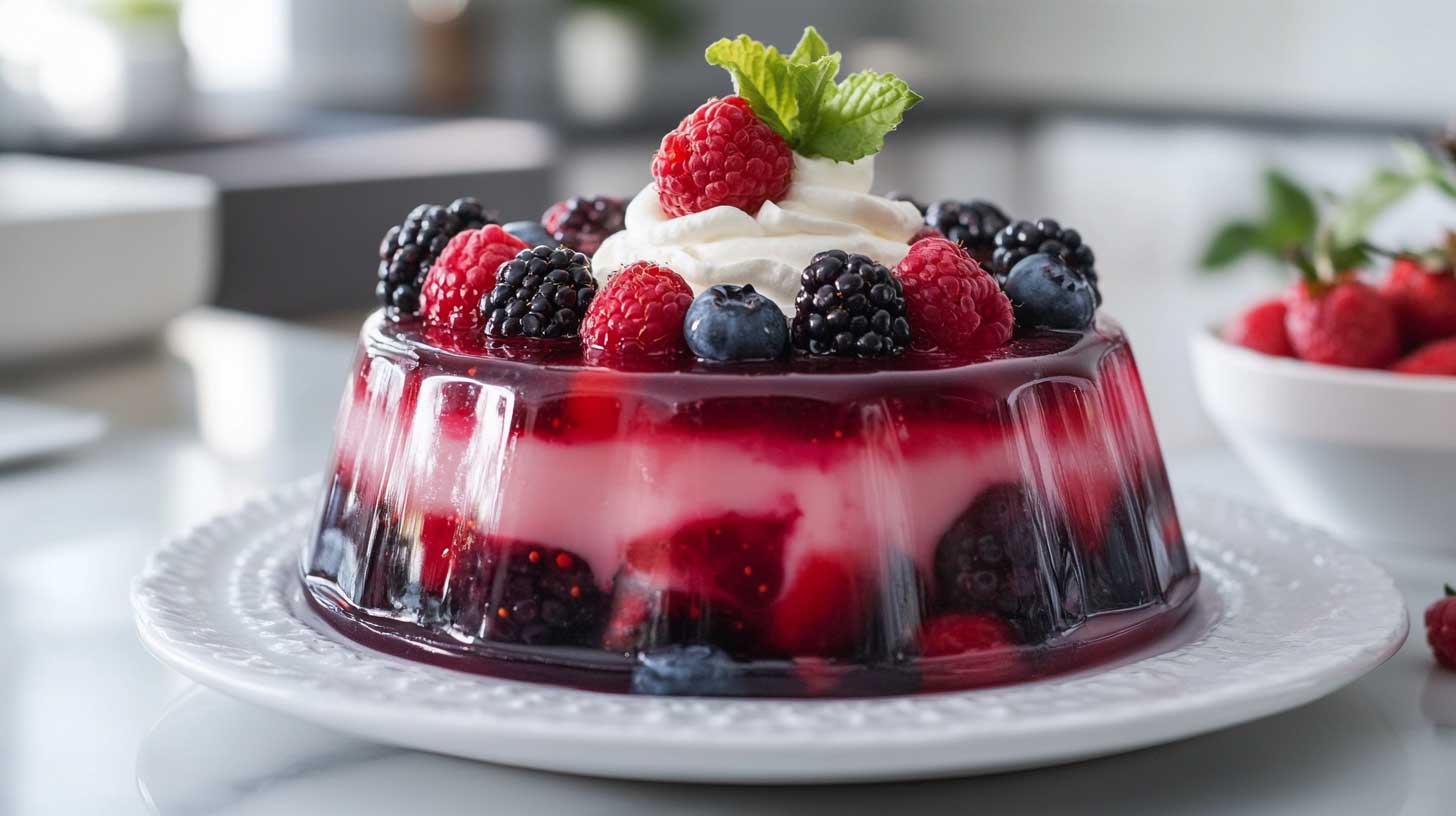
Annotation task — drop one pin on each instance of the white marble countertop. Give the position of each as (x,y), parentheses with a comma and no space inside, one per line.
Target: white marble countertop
(226,405)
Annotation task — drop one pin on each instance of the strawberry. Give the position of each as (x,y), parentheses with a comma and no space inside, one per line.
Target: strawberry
(1433,359)
(1441,628)
(1344,323)
(1261,328)
(1424,299)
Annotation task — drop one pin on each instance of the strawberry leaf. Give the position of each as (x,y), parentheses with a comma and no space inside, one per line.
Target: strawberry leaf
(1231,243)
(855,118)
(1291,217)
(1365,205)
(761,76)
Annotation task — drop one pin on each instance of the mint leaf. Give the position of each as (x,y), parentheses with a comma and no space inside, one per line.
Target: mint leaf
(760,75)
(853,120)
(1291,218)
(813,82)
(811,47)
(1234,241)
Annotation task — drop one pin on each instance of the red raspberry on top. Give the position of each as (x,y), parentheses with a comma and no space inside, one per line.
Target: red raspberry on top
(1424,299)
(721,154)
(952,303)
(1438,358)
(1345,323)
(639,312)
(1441,628)
(1261,328)
(464,274)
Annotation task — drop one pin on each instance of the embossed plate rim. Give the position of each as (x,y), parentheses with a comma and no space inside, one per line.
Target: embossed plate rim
(1296,616)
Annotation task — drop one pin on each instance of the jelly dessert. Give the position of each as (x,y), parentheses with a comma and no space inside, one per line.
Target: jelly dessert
(757,432)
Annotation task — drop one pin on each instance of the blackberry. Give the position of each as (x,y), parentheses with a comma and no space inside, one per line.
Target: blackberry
(1117,573)
(851,306)
(1023,239)
(542,292)
(542,596)
(583,222)
(972,224)
(409,249)
(987,562)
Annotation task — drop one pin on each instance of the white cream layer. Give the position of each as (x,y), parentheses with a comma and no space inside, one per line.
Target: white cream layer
(828,206)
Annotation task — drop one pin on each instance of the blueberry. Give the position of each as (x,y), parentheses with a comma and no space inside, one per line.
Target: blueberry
(686,670)
(736,323)
(1049,294)
(531,233)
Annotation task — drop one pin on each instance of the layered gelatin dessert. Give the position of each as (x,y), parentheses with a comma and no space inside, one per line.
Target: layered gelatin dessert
(758,432)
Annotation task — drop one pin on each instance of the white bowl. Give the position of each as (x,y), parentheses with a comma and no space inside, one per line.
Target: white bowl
(1369,455)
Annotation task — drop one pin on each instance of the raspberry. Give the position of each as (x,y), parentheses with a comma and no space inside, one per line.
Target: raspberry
(1261,328)
(953,305)
(1438,359)
(1441,628)
(1346,323)
(956,633)
(464,273)
(410,249)
(722,154)
(1424,300)
(639,312)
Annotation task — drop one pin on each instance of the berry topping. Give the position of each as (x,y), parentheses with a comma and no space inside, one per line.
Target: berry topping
(583,222)
(546,596)
(721,155)
(410,249)
(541,292)
(640,311)
(952,303)
(1438,359)
(695,669)
(531,233)
(1441,628)
(957,633)
(1345,323)
(987,561)
(730,322)
(1048,294)
(1261,328)
(851,306)
(1424,299)
(972,224)
(463,274)
(1019,240)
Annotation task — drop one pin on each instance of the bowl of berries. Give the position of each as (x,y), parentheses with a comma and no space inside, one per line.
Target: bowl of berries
(1339,392)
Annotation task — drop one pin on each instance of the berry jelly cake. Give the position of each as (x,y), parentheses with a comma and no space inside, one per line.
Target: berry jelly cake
(755,432)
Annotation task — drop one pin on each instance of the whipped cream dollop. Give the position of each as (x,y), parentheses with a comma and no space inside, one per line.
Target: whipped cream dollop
(828,206)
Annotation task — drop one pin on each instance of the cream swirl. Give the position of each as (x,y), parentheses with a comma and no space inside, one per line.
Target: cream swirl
(828,206)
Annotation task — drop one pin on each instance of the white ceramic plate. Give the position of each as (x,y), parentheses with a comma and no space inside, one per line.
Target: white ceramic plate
(1285,616)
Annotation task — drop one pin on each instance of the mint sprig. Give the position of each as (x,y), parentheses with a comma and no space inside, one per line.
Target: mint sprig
(797,96)
(1288,231)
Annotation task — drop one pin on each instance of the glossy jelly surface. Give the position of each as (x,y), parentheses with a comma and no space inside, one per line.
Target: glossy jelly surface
(803,528)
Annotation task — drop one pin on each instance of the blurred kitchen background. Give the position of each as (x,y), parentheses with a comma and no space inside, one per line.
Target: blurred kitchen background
(254,152)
